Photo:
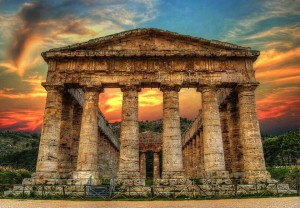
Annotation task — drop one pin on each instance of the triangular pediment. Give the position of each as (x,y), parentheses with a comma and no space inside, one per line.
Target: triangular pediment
(150,39)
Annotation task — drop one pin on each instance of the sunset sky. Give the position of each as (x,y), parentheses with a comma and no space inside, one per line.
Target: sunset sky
(28,28)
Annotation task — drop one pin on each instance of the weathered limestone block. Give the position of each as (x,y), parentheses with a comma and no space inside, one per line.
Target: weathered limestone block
(214,162)
(64,155)
(156,169)
(47,162)
(75,135)
(199,155)
(129,149)
(194,158)
(254,163)
(172,147)
(225,138)
(235,142)
(143,164)
(87,163)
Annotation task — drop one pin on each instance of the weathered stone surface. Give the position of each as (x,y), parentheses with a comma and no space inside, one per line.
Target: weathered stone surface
(129,150)
(254,163)
(172,147)
(47,163)
(156,169)
(87,162)
(143,164)
(214,162)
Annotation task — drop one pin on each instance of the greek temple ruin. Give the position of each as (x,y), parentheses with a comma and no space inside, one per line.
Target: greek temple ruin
(222,143)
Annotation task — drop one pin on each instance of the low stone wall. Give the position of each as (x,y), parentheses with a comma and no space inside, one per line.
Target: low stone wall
(189,189)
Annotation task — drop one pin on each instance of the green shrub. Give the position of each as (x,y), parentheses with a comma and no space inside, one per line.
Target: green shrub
(13,176)
(279,173)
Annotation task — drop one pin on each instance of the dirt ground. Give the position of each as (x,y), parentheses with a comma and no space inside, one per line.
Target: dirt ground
(288,202)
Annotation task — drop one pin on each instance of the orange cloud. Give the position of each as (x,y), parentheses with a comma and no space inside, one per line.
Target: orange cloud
(22,120)
(278,73)
(281,102)
(273,58)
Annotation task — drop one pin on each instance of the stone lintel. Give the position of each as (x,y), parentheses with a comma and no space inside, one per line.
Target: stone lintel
(130,87)
(170,87)
(247,86)
(92,88)
(53,87)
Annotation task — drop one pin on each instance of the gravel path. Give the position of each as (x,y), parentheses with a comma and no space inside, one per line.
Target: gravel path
(289,202)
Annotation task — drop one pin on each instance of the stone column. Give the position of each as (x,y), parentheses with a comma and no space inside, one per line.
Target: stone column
(254,163)
(102,153)
(172,147)
(194,157)
(197,156)
(156,172)
(191,158)
(129,147)
(64,156)
(214,162)
(75,135)
(201,154)
(47,162)
(183,157)
(143,164)
(224,126)
(88,152)
(236,148)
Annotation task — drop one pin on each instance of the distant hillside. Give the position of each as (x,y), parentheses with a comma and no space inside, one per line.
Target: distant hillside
(19,149)
(155,126)
(283,149)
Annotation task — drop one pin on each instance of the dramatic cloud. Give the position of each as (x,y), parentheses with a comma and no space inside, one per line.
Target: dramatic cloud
(30,27)
(41,24)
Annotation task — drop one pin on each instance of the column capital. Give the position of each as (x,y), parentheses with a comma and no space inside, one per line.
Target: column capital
(170,87)
(92,88)
(203,88)
(130,87)
(50,87)
(247,87)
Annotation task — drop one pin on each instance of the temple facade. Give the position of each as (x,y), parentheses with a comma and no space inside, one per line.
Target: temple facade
(221,144)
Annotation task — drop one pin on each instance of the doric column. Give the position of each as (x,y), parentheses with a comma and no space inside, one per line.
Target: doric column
(75,135)
(172,147)
(47,162)
(236,148)
(129,147)
(156,174)
(191,159)
(143,164)
(254,163)
(214,162)
(197,156)
(102,154)
(201,153)
(194,157)
(64,155)
(88,151)
(224,126)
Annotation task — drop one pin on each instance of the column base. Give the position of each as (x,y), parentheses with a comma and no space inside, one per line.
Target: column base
(49,178)
(236,175)
(252,177)
(83,177)
(218,177)
(129,182)
(128,175)
(172,182)
(172,174)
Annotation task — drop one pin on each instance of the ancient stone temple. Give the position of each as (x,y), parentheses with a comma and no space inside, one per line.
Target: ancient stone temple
(222,143)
